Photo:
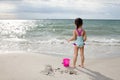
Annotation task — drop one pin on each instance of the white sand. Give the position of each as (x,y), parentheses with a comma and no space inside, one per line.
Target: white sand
(28,67)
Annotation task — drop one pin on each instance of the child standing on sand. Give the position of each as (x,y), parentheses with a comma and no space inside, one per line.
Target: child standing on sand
(79,35)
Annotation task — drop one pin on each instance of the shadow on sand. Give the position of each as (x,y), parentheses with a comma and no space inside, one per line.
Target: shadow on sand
(94,75)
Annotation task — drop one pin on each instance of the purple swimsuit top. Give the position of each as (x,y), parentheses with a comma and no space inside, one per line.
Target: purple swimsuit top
(79,32)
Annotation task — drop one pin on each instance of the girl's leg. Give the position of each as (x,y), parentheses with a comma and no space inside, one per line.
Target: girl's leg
(82,56)
(75,55)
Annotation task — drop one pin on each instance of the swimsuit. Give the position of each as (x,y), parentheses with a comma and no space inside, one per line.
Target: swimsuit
(79,41)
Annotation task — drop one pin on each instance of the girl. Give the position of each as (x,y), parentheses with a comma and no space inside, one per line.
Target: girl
(79,35)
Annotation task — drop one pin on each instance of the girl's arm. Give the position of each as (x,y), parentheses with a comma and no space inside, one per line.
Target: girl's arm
(84,36)
(73,37)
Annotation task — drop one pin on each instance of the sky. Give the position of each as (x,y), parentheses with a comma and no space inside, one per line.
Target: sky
(59,9)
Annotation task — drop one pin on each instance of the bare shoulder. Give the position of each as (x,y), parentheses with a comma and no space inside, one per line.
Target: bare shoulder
(74,31)
(84,31)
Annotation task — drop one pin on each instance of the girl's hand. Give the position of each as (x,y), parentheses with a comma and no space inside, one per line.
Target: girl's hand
(68,41)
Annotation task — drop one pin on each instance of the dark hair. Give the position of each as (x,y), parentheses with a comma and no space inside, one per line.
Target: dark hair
(78,22)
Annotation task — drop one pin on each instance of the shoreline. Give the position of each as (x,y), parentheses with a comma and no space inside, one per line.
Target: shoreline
(61,55)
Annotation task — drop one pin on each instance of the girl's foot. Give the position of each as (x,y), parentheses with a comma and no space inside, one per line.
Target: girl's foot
(73,66)
(82,66)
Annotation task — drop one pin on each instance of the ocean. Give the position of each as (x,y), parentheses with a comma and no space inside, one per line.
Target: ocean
(48,36)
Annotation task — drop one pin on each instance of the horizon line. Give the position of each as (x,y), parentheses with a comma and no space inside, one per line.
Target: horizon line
(60,18)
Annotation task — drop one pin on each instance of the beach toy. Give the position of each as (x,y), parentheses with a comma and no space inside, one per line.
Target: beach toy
(66,62)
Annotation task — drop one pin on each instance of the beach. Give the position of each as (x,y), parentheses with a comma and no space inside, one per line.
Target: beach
(28,46)
(28,66)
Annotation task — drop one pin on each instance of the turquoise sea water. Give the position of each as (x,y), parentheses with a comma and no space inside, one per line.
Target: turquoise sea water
(49,36)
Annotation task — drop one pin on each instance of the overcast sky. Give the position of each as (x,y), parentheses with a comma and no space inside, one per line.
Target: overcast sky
(59,9)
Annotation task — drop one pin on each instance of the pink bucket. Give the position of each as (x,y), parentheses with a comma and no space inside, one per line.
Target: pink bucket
(66,62)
